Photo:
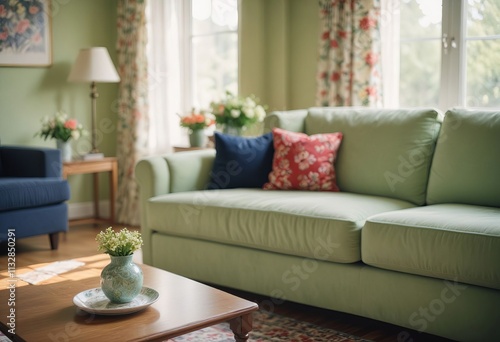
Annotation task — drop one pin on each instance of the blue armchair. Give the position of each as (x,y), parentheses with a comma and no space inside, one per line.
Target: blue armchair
(33,194)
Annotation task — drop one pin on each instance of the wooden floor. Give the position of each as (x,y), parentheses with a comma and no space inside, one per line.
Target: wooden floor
(80,242)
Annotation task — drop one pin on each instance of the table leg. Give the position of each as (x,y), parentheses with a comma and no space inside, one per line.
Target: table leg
(113,185)
(96,195)
(241,327)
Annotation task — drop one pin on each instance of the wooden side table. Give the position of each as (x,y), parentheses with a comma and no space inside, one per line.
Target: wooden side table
(110,165)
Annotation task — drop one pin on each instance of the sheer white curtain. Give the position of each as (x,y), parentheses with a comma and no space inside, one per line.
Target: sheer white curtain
(389,31)
(166,65)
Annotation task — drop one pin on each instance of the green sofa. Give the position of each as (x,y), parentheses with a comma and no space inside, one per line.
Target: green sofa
(412,238)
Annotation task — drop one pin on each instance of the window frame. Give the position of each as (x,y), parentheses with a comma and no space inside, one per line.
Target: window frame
(453,68)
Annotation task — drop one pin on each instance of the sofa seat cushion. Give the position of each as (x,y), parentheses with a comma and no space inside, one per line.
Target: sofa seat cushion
(316,225)
(20,193)
(457,242)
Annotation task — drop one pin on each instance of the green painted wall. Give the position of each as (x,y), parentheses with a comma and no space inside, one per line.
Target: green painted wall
(303,51)
(252,56)
(277,63)
(29,94)
(278,54)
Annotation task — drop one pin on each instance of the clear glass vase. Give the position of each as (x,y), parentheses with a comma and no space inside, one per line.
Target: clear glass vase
(121,280)
(232,130)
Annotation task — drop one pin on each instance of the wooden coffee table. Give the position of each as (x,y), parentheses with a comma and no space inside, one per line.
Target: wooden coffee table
(47,313)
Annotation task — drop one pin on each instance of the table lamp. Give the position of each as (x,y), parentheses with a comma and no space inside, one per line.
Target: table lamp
(93,65)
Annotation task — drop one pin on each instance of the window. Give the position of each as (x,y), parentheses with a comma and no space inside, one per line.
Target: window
(420,53)
(482,53)
(214,50)
(192,59)
(448,53)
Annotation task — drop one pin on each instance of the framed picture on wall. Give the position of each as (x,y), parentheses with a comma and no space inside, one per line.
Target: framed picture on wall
(25,33)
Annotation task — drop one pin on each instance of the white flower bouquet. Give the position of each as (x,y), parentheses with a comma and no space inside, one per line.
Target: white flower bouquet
(237,111)
(119,243)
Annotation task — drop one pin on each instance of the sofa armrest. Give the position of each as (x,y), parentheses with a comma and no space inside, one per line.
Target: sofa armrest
(290,120)
(152,176)
(20,161)
(176,172)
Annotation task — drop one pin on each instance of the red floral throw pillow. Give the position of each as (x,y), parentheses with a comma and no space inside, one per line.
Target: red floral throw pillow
(303,162)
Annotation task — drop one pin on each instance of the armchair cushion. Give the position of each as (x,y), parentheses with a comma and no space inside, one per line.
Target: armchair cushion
(20,193)
(29,162)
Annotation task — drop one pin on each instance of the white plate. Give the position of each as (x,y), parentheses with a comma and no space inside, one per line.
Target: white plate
(94,301)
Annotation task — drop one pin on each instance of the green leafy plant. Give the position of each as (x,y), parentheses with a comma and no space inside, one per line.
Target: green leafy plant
(119,243)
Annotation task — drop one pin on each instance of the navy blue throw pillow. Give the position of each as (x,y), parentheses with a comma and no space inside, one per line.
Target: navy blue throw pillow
(241,162)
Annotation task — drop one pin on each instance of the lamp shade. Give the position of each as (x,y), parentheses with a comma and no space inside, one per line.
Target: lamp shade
(93,65)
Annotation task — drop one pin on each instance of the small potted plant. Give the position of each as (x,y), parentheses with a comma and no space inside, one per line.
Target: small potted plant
(197,122)
(121,280)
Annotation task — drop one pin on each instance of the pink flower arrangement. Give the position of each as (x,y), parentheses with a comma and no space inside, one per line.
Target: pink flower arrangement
(61,128)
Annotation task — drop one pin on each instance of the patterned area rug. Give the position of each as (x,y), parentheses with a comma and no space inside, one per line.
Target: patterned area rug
(271,327)
(266,327)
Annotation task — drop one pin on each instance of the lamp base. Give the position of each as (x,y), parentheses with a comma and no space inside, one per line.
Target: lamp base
(93,156)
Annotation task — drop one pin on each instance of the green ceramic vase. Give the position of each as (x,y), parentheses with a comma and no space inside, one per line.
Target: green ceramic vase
(198,138)
(121,280)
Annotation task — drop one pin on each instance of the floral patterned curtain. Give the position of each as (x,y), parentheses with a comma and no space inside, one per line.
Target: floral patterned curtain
(349,70)
(132,104)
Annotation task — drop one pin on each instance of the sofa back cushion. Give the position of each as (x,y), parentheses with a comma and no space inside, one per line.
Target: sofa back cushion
(384,152)
(466,165)
(290,120)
